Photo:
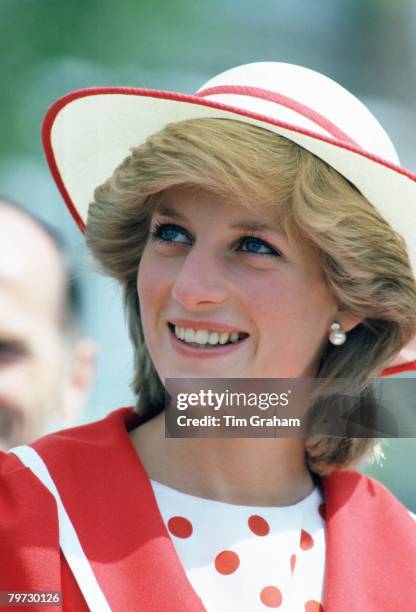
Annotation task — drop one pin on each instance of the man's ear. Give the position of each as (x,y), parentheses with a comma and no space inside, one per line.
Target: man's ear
(80,378)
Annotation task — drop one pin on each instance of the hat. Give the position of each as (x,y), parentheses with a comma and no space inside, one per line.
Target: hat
(87,133)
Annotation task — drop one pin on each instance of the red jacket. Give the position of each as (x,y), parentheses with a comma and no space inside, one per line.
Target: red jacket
(370,536)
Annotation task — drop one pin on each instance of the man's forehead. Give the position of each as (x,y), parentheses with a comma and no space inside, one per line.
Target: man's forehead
(31,267)
(25,322)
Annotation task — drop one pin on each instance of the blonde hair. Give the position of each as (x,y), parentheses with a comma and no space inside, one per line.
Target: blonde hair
(367,270)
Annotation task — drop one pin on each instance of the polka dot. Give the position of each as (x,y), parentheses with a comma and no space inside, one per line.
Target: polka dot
(258,525)
(306,540)
(226,562)
(271,597)
(313,606)
(180,527)
(322,510)
(292,563)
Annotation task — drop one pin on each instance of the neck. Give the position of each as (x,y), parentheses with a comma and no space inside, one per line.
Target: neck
(245,471)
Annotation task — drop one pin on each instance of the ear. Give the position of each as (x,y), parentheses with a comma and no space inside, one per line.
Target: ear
(347,320)
(80,377)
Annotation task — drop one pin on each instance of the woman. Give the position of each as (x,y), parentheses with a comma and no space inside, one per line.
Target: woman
(256,235)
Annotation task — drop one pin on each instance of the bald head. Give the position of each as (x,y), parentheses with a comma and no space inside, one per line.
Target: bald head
(36,358)
(32,268)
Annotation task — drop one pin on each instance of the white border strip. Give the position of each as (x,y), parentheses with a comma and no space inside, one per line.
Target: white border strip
(69,542)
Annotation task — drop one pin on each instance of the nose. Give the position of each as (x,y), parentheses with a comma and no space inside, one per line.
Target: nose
(200,280)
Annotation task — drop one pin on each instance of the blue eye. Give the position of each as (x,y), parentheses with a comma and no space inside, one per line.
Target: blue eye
(256,246)
(167,232)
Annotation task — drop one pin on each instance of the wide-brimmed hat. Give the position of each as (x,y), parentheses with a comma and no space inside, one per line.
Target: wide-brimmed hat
(88,132)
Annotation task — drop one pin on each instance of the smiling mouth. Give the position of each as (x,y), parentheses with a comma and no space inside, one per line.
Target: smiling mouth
(204,339)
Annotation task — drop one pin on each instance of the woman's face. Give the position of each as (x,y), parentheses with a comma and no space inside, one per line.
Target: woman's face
(204,267)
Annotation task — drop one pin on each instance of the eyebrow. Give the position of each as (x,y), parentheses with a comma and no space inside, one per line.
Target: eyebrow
(168,211)
(14,344)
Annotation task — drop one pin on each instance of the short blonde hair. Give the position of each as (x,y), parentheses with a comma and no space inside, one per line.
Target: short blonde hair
(365,262)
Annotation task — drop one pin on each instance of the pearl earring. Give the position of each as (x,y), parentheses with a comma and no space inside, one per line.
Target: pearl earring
(337,336)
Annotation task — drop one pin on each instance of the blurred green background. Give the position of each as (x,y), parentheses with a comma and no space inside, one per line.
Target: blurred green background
(51,47)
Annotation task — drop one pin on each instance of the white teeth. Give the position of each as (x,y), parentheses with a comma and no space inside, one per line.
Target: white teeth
(213,337)
(203,336)
(179,332)
(189,335)
(223,337)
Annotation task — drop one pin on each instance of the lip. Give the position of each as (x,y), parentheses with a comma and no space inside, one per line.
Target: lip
(201,353)
(208,325)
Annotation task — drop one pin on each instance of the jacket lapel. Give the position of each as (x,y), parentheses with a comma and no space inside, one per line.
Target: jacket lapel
(370,538)
(371,547)
(110,501)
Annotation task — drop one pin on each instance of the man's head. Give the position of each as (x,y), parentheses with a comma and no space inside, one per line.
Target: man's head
(45,367)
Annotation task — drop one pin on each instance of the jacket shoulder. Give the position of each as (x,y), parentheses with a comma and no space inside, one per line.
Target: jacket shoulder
(29,530)
(367,496)
(29,537)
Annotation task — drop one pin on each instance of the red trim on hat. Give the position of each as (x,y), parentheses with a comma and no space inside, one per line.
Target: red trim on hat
(200,101)
(271,96)
(397,369)
(189,99)
(50,157)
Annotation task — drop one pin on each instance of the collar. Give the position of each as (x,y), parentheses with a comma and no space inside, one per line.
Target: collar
(370,536)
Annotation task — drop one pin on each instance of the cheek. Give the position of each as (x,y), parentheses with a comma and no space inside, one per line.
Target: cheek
(51,372)
(290,310)
(153,283)
(17,380)
(273,301)
(148,283)
(33,383)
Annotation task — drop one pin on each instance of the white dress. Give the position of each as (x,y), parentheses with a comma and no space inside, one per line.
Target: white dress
(249,558)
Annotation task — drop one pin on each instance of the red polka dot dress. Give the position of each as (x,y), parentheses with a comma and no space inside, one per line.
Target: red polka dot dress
(249,558)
